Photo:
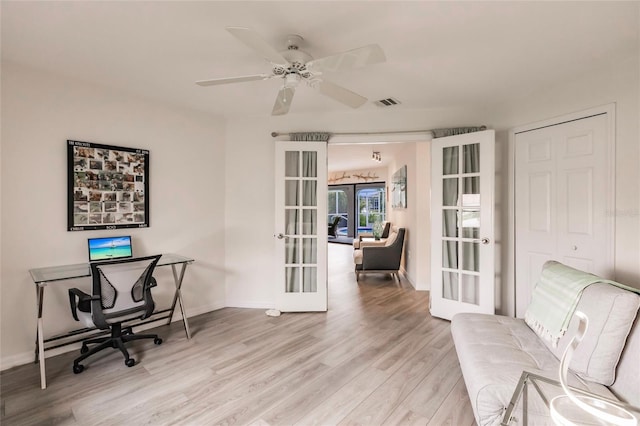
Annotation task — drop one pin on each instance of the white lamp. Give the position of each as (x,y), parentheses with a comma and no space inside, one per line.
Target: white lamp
(595,410)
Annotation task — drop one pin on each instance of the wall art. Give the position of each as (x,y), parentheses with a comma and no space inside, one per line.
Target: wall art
(108,187)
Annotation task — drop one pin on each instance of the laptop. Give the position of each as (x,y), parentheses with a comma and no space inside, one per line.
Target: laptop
(110,248)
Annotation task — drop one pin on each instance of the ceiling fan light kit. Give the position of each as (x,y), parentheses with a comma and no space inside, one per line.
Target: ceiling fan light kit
(294,66)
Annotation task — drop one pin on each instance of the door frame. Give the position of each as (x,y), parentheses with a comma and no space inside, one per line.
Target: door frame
(509,256)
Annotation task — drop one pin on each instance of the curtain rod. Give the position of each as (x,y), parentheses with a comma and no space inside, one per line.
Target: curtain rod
(276,134)
(432,131)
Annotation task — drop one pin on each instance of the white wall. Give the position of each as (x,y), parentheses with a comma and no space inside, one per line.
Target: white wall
(618,83)
(406,217)
(40,112)
(250,186)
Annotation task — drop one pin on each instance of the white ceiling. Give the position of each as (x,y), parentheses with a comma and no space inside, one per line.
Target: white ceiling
(439,54)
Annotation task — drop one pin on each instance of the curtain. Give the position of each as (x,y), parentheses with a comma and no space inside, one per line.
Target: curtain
(310,136)
(459,219)
(302,197)
(450,222)
(441,133)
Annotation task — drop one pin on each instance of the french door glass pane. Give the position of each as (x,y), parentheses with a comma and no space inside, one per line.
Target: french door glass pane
(292,280)
(471,158)
(450,285)
(471,185)
(449,223)
(291,221)
(309,193)
(309,280)
(291,193)
(309,250)
(470,224)
(291,250)
(450,254)
(450,160)
(291,164)
(470,288)
(450,192)
(309,222)
(471,256)
(309,164)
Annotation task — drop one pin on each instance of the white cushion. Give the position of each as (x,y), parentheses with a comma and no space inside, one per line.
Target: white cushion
(611,312)
(357,257)
(493,351)
(392,237)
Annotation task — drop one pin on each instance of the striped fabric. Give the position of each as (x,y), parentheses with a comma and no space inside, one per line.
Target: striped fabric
(555,298)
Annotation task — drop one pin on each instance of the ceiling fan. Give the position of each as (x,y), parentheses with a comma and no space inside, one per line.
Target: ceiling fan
(294,66)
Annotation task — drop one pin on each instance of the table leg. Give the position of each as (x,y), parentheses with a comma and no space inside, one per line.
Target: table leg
(178,298)
(40,338)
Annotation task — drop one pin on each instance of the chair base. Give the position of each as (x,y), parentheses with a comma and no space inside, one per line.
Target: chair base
(118,338)
(394,274)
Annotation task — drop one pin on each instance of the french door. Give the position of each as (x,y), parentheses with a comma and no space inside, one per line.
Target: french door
(462,246)
(300,226)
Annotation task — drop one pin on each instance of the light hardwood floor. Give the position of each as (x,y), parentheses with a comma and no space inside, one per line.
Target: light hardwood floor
(376,358)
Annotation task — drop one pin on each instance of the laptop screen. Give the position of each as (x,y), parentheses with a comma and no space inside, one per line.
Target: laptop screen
(110,248)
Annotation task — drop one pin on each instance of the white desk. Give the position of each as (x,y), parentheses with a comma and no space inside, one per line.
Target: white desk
(49,275)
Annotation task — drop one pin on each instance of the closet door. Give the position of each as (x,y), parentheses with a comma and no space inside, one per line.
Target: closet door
(563,201)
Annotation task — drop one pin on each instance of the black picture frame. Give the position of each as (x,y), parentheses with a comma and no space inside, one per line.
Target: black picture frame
(108,187)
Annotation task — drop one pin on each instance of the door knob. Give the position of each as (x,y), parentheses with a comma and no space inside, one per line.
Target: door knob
(485,241)
(281,236)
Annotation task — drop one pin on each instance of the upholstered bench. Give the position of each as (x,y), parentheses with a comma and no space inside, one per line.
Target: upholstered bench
(494,351)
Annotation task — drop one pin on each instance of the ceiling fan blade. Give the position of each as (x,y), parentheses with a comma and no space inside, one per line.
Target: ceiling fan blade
(283,101)
(340,94)
(217,81)
(257,43)
(351,59)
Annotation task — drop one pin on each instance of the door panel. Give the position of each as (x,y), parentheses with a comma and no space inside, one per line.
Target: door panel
(462,224)
(301,244)
(561,201)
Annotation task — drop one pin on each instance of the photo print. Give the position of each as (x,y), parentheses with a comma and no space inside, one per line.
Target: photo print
(108,187)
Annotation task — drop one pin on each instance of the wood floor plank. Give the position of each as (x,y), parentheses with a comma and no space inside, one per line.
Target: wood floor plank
(376,357)
(456,409)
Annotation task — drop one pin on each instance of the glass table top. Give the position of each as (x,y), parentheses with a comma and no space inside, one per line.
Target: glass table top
(67,272)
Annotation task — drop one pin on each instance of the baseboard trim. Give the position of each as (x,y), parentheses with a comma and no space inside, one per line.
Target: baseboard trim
(258,304)
(28,357)
(406,276)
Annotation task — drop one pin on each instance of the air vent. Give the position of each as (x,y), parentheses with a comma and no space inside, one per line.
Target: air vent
(387,102)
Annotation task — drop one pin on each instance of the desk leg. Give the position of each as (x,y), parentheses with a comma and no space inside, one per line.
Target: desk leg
(40,337)
(178,298)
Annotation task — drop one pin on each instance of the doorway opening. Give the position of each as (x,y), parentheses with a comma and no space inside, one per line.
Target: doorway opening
(358,207)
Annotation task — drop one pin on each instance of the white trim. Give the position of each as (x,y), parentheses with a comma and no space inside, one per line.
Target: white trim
(373,138)
(610,111)
(256,304)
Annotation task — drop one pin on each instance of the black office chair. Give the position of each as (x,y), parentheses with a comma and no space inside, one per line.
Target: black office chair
(121,291)
(332,230)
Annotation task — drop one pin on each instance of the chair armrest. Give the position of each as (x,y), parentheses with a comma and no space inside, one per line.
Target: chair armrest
(153,282)
(376,243)
(79,300)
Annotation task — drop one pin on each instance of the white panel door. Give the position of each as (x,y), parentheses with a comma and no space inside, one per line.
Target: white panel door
(300,226)
(562,198)
(462,245)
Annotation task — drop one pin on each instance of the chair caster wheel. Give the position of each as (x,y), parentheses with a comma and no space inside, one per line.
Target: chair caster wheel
(78,368)
(84,349)
(130,362)
(157,341)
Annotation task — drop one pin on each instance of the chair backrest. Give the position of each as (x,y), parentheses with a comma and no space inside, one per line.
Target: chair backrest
(123,288)
(385,231)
